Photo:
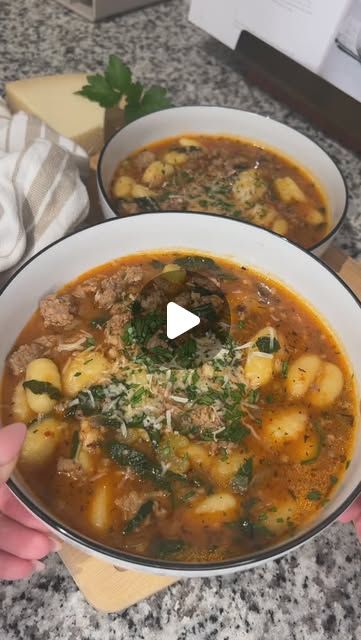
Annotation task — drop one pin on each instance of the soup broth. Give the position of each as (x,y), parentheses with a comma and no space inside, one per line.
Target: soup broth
(192,463)
(225,176)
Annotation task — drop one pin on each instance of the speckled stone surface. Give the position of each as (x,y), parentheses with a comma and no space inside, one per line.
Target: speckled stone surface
(314,593)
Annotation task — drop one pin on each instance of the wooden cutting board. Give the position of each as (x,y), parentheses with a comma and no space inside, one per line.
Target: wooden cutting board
(110,589)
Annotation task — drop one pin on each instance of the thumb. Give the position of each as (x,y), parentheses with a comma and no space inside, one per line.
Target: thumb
(11,440)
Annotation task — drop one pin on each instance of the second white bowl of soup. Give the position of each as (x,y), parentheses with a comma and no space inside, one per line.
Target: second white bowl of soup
(212,466)
(225,161)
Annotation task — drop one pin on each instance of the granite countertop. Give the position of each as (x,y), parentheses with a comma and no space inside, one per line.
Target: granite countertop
(312,593)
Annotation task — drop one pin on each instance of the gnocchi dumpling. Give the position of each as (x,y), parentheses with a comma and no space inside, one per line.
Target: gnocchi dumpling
(328,385)
(100,512)
(287,425)
(288,190)
(263,214)
(301,374)
(173,452)
(190,143)
(42,370)
(282,517)
(41,441)
(83,370)
(217,503)
(198,455)
(156,173)
(315,217)
(249,188)
(259,365)
(140,191)
(321,382)
(123,187)
(280,226)
(175,158)
(222,471)
(20,406)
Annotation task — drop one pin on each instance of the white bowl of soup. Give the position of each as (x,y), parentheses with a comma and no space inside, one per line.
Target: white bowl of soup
(180,458)
(225,161)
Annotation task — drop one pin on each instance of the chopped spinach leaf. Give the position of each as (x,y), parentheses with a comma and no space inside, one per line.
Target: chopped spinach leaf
(147,204)
(206,311)
(39,386)
(243,476)
(266,345)
(197,262)
(157,264)
(74,444)
(143,512)
(127,456)
(164,548)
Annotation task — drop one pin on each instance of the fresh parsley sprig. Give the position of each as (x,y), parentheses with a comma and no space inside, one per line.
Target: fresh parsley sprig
(117,85)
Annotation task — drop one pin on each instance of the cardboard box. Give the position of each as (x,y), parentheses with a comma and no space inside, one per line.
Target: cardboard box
(95,10)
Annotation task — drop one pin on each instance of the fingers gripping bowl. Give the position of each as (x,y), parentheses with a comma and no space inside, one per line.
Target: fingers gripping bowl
(266,254)
(226,161)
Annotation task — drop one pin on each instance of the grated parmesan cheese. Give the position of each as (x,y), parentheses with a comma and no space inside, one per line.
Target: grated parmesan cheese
(179,399)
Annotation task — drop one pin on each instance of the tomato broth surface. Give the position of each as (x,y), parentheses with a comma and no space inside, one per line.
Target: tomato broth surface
(227,176)
(197,462)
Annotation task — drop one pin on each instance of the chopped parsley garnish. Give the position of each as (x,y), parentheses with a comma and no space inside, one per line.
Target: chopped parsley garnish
(253,396)
(89,343)
(186,352)
(284,369)
(234,433)
(333,480)
(138,396)
(314,495)
(223,454)
(98,323)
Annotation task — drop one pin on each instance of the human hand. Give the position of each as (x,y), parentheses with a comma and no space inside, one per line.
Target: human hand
(23,538)
(353,513)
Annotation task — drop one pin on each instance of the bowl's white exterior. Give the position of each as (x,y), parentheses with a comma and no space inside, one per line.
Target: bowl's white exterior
(246,244)
(220,120)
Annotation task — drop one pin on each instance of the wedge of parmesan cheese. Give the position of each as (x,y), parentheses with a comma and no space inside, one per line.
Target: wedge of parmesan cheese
(53,99)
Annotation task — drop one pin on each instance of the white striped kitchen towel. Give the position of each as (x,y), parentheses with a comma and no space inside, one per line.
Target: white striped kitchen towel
(42,197)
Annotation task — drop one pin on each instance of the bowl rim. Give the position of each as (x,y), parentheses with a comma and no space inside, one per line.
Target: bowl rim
(247,561)
(333,231)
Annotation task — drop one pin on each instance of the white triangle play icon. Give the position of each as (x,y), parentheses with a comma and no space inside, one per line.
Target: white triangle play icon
(179,320)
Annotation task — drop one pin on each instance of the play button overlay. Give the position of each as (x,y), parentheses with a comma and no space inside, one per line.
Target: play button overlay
(179,320)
